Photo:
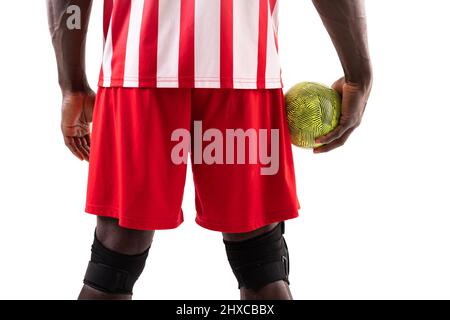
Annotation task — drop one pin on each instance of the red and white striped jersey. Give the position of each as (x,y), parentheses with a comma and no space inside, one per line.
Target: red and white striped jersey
(191,44)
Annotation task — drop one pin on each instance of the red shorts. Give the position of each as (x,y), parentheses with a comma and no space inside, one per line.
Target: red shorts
(136,175)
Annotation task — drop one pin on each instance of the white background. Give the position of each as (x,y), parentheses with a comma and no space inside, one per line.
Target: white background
(375,220)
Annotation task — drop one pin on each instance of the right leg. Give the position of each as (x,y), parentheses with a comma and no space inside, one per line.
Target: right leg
(122,241)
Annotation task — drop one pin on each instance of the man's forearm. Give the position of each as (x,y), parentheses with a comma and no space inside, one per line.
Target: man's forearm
(345,21)
(69,40)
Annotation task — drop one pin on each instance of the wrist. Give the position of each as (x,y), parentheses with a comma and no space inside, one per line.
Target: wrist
(363,78)
(75,87)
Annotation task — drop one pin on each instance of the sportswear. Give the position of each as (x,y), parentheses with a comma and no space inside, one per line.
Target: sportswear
(135,174)
(191,44)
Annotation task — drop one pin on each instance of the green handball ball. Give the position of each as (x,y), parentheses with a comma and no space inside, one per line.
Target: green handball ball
(313,110)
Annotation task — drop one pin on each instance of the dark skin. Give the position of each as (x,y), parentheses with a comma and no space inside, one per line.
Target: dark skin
(121,240)
(274,291)
(77,97)
(132,242)
(345,22)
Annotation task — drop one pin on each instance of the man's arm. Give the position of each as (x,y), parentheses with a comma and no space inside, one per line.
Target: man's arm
(68,23)
(345,21)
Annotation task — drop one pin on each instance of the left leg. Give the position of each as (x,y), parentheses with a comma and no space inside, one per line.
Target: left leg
(260,262)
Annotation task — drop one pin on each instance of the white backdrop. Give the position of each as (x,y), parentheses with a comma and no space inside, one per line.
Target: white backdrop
(375,218)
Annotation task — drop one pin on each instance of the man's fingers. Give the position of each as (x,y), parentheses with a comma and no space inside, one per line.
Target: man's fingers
(81,147)
(333,135)
(336,143)
(85,143)
(70,143)
(87,146)
(88,140)
(339,86)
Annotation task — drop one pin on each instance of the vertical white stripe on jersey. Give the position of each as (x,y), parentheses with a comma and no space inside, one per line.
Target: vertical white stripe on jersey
(275,15)
(245,43)
(273,77)
(131,78)
(207,43)
(107,57)
(168,43)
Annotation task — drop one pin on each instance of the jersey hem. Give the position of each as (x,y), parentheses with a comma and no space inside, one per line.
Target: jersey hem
(173,82)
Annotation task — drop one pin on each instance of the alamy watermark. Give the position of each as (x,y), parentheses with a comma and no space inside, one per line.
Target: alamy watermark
(73,22)
(234,146)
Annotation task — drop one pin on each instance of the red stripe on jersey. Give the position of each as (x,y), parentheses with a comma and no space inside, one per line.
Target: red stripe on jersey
(273,3)
(226,44)
(186,72)
(161,46)
(119,28)
(262,43)
(107,13)
(148,56)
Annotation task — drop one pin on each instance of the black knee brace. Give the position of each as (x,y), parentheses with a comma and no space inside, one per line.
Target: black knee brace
(261,260)
(112,272)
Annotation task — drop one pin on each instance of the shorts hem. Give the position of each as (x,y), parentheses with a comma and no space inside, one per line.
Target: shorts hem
(274,218)
(133,224)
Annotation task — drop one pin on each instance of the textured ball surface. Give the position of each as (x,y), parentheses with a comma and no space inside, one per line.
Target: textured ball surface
(313,110)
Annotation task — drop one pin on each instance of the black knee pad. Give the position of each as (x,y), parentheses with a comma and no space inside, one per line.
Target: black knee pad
(113,272)
(261,260)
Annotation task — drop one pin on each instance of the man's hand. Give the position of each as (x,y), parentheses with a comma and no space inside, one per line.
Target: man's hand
(77,109)
(345,21)
(354,101)
(78,98)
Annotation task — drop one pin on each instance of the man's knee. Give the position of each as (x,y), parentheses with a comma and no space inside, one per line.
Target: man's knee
(249,235)
(118,257)
(258,258)
(122,240)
